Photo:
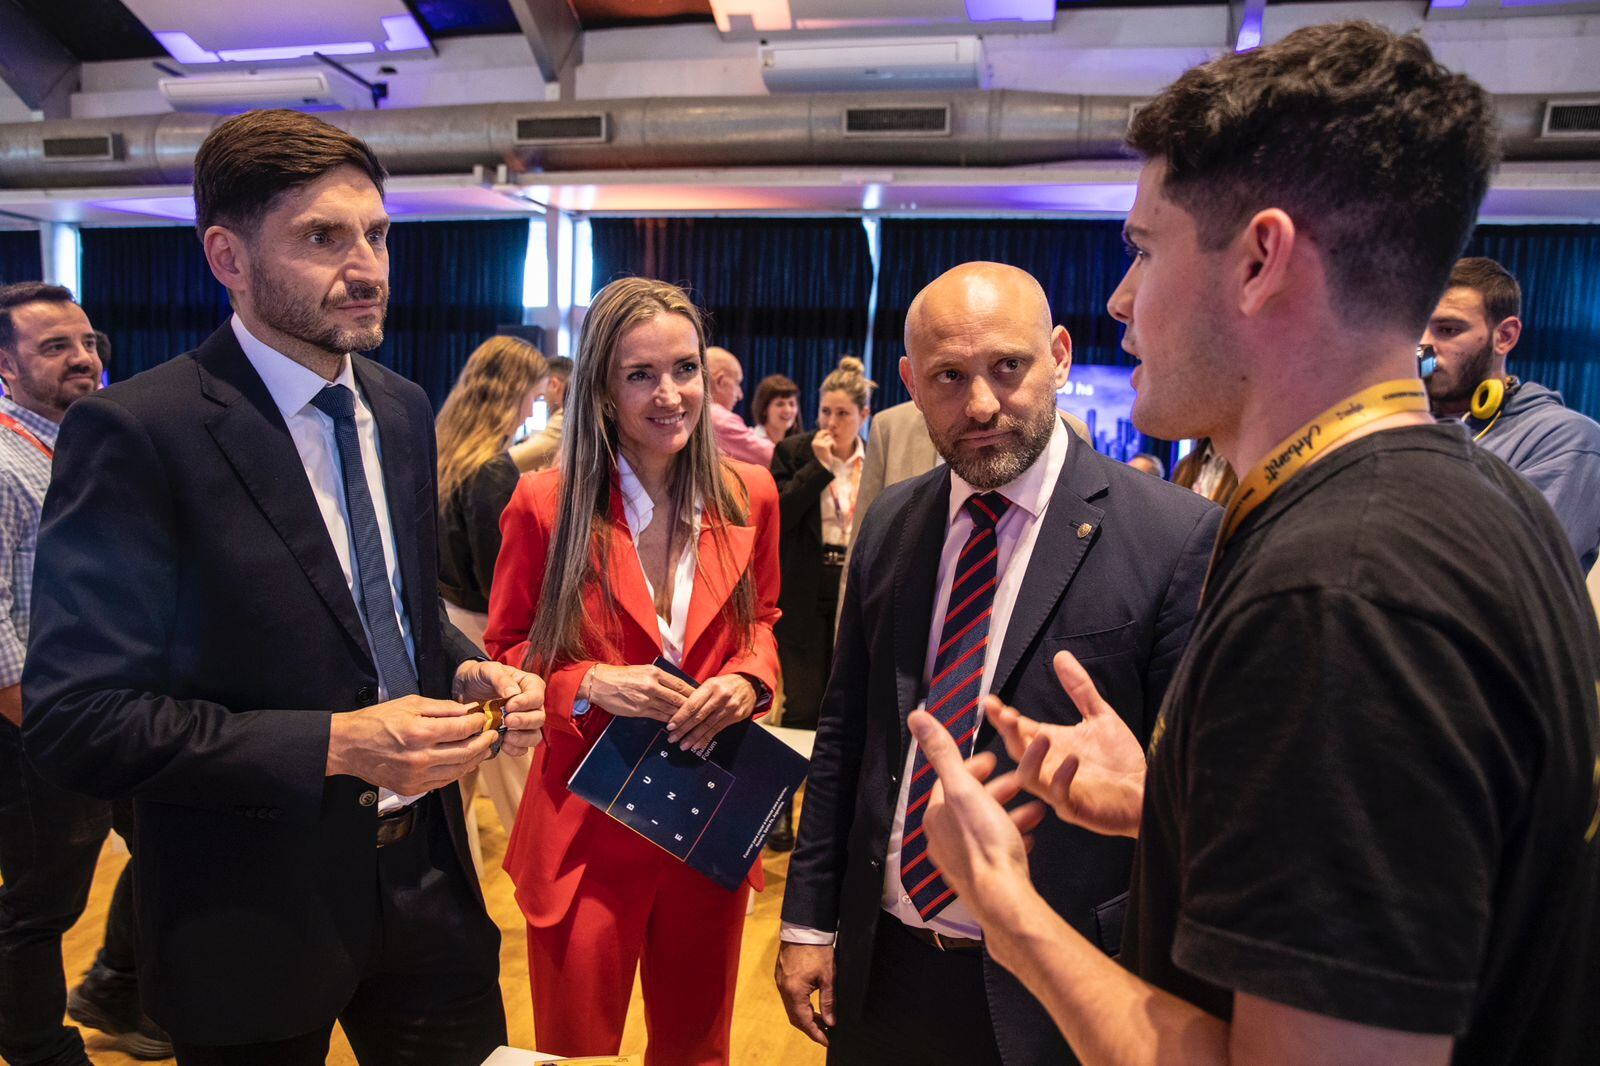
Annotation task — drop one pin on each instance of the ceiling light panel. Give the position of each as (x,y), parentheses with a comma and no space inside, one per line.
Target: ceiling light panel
(244,31)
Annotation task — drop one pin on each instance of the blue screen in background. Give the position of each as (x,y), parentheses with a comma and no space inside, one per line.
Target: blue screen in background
(1103,397)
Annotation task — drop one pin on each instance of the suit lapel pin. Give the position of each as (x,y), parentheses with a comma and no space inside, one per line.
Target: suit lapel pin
(1084,530)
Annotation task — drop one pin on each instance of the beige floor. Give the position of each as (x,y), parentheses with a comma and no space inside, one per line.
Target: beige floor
(761,1034)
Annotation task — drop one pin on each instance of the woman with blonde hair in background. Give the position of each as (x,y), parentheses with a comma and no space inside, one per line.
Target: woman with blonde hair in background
(643,543)
(491,398)
(818,475)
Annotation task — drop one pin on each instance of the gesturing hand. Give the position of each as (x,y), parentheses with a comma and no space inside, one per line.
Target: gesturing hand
(636,691)
(478,682)
(1092,773)
(715,705)
(980,848)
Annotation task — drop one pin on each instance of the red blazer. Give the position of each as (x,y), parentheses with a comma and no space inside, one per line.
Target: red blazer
(556,833)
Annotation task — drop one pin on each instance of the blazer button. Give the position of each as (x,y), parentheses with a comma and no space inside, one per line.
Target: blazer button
(367,798)
(367,695)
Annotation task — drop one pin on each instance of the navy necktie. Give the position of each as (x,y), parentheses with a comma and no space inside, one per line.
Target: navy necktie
(954,692)
(374,597)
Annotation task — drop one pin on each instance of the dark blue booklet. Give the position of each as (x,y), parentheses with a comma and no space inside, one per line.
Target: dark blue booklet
(712,809)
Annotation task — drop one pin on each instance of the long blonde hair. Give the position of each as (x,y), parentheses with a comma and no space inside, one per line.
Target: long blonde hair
(580,551)
(478,417)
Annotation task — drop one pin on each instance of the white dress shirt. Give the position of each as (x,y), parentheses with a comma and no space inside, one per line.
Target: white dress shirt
(292,387)
(639,508)
(839,498)
(1015,536)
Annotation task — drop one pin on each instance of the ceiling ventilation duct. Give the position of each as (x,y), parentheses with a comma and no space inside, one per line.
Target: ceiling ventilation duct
(993,128)
(1572,120)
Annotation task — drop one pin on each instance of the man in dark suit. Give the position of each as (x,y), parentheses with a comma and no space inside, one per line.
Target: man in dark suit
(967,580)
(236,624)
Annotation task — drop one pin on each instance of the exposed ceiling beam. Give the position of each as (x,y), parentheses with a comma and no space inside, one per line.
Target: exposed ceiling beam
(554,34)
(36,66)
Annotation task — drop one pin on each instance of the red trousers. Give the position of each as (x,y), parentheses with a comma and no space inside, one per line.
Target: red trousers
(639,908)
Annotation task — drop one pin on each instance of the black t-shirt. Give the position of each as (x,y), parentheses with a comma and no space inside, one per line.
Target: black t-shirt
(1372,791)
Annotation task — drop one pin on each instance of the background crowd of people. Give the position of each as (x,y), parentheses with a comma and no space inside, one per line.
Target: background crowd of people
(1308,766)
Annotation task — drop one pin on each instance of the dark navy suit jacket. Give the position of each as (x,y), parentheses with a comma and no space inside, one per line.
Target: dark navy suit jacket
(1120,598)
(192,634)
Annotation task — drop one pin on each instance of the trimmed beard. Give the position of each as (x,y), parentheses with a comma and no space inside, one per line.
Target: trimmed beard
(1474,369)
(996,465)
(285,312)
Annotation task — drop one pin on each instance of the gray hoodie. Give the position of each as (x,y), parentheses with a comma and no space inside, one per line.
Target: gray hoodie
(1559,451)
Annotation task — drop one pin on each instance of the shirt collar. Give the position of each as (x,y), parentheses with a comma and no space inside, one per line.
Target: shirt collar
(637,506)
(1030,490)
(291,385)
(636,502)
(856,456)
(37,424)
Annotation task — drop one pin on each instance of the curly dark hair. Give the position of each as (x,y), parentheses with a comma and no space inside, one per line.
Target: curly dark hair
(1377,152)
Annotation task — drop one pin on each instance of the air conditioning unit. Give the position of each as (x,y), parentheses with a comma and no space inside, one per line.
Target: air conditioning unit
(811,66)
(299,90)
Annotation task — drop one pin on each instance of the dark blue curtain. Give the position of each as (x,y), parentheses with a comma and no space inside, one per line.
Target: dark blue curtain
(19,256)
(451,284)
(1079,264)
(149,289)
(1559,269)
(787,296)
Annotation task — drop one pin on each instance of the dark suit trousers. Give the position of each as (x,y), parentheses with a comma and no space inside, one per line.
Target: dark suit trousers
(50,840)
(923,1007)
(430,997)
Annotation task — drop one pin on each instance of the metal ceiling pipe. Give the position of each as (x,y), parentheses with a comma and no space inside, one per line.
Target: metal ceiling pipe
(1000,127)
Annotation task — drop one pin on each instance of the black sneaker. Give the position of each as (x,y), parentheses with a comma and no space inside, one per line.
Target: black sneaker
(109,1001)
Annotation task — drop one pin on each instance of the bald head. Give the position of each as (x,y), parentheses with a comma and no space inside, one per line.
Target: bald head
(983,363)
(959,296)
(727,377)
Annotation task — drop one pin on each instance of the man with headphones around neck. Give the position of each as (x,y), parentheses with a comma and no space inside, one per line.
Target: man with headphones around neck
(1472,331)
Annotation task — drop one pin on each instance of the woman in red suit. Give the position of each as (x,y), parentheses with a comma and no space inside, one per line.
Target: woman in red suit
(644,543)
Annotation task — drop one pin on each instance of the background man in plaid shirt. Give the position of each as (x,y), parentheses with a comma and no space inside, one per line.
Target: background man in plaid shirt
(49,839)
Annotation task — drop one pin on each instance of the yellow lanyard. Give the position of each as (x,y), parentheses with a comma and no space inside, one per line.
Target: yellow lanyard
(1294,452)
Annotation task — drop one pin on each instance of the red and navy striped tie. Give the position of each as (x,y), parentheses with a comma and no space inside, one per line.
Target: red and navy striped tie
(954,692)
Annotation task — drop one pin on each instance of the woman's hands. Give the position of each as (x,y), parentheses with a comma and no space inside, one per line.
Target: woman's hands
(635,691)
(715,705)
(693,715)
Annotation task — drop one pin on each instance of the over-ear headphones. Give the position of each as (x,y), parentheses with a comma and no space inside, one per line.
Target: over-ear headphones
(1489,399)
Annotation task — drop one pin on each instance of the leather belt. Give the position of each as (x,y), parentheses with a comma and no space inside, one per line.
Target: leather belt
(833,555)
(395,827)
(942,942)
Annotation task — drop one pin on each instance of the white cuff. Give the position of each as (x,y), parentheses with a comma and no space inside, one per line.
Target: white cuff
(799,934)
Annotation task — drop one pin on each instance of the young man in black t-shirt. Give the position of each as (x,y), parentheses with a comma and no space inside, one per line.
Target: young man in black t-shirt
(1368,819)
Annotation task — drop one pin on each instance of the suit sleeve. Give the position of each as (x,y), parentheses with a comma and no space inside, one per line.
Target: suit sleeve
(874,469)
(1178,608)
(514,600)
(760,660)
(96,719)
(816,870)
